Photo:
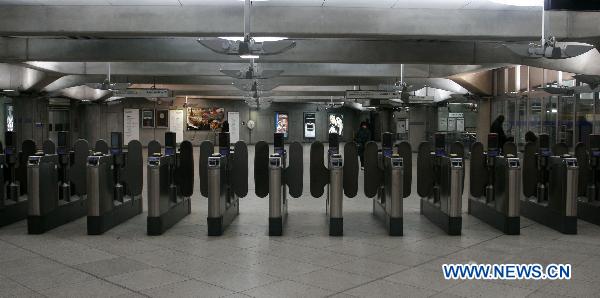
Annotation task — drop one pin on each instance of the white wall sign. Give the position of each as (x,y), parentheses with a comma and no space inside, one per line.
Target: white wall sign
(455,115)
(451,124)
(176,124)
(142,93)
(131,125)
(234,126)
(443,124)
(371,94)
(460,124)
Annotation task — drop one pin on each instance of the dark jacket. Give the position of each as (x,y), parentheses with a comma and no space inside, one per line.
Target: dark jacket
(363,135)
(497,129)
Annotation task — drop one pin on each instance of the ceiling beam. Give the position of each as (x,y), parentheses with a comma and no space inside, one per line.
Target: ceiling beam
(299,22)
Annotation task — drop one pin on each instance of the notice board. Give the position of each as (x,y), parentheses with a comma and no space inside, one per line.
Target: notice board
(176,124)
(131,125)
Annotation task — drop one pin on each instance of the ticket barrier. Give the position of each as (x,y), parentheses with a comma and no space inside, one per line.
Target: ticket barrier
(114,185)
(57,190)
(13,198)
(440,183)
(550,185)
(273,177)
(387,179)
(495,189)
(588,159)
(340,176)
(170,183)
(223,180)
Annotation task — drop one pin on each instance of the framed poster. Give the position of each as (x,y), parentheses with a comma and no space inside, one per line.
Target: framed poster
(148,118)
(131,125)
(281,123)
(310,125)
(162,118)
(335,123)
(176,124)
(9,114)
(205,118)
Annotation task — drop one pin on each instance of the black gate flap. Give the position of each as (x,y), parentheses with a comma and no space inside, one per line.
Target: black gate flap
(184,175)
(556,185)
(405,151)
(261,169)
(154,147)
(373,174)
(319,174)
(560,149)
(48,147)
(509,148)
(81,151)
(294,174)
(584,169)
(529,170)
(101,146)
(458,149)
(425,173)
(134,168)
(479,174)
(239,169)
(206,150)
(27,149)
(350,169)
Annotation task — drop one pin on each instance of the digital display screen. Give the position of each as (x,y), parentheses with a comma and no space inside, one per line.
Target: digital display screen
(310,125)
(335,123)
(282,123)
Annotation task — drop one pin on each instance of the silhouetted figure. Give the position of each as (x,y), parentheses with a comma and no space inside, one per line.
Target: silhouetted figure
(530,137)
(225,126)
(497,129)
(362,137)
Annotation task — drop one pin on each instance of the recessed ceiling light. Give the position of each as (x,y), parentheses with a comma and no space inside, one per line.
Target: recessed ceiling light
(249,56)
(520,2)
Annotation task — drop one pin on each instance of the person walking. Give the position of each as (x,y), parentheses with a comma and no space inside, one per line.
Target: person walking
(362,137)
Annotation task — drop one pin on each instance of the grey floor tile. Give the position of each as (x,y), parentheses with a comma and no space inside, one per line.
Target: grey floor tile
(232,277)
(573,288)
(50,278)
(28,265)
(287,288)
(333,280)
(382,288)
(10,288)
(423,278)
(91,288)
(188,288)
(284,268)
(370,268)
(111,267)
(146,279)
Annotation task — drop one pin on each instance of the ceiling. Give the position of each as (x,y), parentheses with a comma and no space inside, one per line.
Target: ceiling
(398,4)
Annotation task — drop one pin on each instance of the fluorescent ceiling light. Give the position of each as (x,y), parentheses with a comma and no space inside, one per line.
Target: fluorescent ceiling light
(256,39)
(8,90)
(520,2)
(249,56)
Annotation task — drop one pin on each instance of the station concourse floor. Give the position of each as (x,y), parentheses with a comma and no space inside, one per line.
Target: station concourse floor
(305,262)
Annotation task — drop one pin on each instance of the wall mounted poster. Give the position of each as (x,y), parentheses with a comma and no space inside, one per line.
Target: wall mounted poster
(310,127)
(176,124)
(234,126)
(205,118)
(131,125)
(281,123)
(147,118)
(335,123)
(162,118)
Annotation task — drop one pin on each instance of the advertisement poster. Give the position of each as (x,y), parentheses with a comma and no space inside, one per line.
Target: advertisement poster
(147,118)
(234,126)
(310,125)
(205,118)
(162,118)
(335,123)
(176,124)
(131,125)
(281,123)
